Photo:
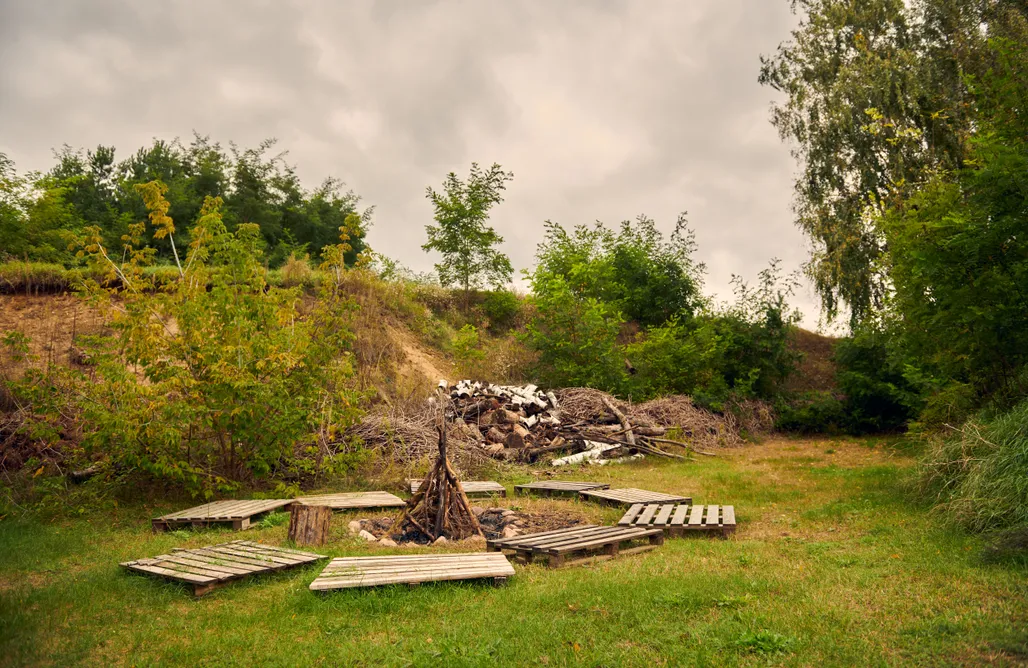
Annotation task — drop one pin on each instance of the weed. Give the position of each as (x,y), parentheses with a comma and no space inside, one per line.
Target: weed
(765,642)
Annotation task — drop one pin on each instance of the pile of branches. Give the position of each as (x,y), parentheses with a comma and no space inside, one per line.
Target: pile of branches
(439,509)
(523,423)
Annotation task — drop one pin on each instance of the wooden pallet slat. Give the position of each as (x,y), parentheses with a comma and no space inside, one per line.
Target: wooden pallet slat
(579,544)
(630,496)
(238,512)
(470,487)
(345,572)
(351,500)
(209,567)
(664,514)
(679,518)
(557,487)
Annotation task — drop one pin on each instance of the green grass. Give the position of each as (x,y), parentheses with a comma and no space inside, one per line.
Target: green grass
(832,565)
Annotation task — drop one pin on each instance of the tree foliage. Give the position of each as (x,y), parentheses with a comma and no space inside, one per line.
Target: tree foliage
(39,213)
(216,378)
(461,235)
(875,99)
(634,269)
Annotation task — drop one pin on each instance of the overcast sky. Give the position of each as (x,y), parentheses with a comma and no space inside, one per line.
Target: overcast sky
(603,110)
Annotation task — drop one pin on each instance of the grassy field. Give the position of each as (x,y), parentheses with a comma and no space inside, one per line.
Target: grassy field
(832,564)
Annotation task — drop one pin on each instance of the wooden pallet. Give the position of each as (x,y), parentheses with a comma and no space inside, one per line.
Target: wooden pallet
(412,569)
(206,568)
(471,488)
(577,545)
(554,487)
(677,519)
(348,500)
(629,496)
(239,513)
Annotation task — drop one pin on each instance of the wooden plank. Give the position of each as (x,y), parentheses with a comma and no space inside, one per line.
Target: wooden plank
(532,539)
(169,573)
(647,514)
(662,517)
(633,513)
(713,520)
(630,495)
(224,510)
(206,563)
(680,514)
(471,487)
(542,534)
(347,500)
(696,517)
(607,539)
(729,516)
(411,569)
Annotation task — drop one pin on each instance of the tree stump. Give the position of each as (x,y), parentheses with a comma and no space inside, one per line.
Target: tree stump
(309,525)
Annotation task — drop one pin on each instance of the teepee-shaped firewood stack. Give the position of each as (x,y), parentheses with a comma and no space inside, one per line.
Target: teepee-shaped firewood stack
(440,507)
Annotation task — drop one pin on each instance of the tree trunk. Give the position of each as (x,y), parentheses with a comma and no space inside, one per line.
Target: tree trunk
(309,525)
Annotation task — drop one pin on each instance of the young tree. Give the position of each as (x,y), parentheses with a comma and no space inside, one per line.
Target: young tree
(467,244)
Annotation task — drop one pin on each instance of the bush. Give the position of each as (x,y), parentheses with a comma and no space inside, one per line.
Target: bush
(501,307)
(634,270)
(467,354)
(576,339)
(812,413)
(878,395)
(980,475)
(243,387)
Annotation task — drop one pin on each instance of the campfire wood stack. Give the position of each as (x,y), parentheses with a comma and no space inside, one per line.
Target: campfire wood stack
(523,423)
(439,508)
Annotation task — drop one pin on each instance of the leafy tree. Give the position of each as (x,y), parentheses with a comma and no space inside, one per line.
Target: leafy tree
(576,338)
(875,101)
(217,378)
(634,270)
(461,235)
(958,253)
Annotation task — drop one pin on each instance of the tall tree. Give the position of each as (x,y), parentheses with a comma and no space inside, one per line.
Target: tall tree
(876,100)
(461,235)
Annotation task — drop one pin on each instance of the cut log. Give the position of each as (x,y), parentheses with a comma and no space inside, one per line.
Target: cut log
(629,436)
(309,525)
(514,441)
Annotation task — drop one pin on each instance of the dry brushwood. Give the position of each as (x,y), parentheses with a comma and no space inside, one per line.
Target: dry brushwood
(439,508)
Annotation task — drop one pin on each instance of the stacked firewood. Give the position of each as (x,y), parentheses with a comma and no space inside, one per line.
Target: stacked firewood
(524,423)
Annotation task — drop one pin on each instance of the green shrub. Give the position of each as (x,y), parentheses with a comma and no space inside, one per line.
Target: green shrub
(878,395)
(467,354)
(812,413)
(501,307)
(980,475)
(245,386)
(576,339)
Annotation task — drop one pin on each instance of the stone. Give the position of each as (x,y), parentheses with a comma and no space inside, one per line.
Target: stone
(507,513)
(441,540)
(367,535)
(386,542)
(475,540)
(478,510)
(511,532)
(354,526)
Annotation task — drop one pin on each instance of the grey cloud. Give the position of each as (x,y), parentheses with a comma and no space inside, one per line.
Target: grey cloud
(603,110)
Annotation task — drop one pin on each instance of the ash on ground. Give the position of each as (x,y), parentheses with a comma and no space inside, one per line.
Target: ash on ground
(495,522)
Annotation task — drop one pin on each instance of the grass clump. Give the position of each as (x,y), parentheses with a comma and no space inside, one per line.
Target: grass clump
(980,476)
(764,642)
